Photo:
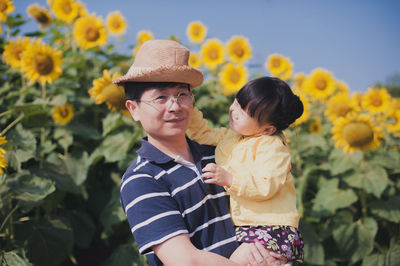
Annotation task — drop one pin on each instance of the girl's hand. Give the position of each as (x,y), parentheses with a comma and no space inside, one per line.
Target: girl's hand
(214,174)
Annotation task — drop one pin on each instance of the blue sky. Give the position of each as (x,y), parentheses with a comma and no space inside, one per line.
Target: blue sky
(357,40)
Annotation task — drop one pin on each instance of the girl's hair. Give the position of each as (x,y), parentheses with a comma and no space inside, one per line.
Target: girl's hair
(270,100)
(135,90)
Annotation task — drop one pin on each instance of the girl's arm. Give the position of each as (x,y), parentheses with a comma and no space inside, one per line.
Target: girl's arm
(199,131)
(264,173)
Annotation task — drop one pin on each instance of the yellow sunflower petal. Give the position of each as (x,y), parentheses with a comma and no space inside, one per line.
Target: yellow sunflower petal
(376,100)
(116,23)
(104,90)
(41,63)
(65,10)
(196,31)
(63,114)
(320,84)
(143,36)
(233,78)
(239,49)
(6,8)
(213,53)
(195,60)
(340,105)
(89,32)
(13,50)
(40,14)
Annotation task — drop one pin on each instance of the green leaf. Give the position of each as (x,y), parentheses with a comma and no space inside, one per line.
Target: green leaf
(126,255)
(116,146)
(388,210)
(342,162)
(83,227)
(33,191)
(23,143)
(50,242)
(313,249)
(11,258)
(355,241)
(330,198)
(58,100)
(111,122)
(373,180)
(374,260)
(112,213)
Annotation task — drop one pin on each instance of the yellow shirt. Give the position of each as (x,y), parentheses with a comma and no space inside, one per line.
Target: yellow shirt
(262,190)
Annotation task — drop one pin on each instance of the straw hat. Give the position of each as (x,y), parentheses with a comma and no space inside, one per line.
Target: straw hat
(162,61)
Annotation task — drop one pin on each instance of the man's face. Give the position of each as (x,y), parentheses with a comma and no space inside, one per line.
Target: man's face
(161,115)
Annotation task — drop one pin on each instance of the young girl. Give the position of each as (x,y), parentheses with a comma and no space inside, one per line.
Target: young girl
(253,163)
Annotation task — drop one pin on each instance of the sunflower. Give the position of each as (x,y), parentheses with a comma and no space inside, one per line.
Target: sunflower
(82,11)
(13,50)
(143,36)
(6,7)
(104,90)
(65,10)
(1,30)
(340,105)
(395,104)
(342,86)
(40,14)
(320,84)
(357,98)
(213,53)
(116,23)
(299,79)
(393,124)
(196,31)
(315,127)
(356,132)
(306,111)
(62,114)
(3,160)
(238,49)
(42,63)
(233,77)
(194,60)
(89,32)
(376,100)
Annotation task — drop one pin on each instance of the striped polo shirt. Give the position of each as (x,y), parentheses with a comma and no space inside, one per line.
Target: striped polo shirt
(163,197)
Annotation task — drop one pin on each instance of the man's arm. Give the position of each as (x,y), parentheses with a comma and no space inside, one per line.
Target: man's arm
(180,251)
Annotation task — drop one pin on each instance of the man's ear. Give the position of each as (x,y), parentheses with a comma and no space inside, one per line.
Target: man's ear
(132,108)
(269,130)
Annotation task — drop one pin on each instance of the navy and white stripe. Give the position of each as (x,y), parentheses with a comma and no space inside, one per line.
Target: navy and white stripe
(163,198)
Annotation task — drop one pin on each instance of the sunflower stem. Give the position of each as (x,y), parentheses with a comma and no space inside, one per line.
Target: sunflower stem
(19,118)
(44,91)
(363,199)
(8,217)
(6,113)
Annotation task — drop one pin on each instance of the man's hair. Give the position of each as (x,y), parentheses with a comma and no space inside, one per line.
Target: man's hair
(270,100)
(135,90)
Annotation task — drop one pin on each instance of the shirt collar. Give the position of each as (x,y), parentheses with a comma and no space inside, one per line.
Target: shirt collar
(151,153)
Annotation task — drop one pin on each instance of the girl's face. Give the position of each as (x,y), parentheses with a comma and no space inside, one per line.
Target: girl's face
(241,122)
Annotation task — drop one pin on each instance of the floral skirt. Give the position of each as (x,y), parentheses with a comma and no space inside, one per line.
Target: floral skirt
(284,240)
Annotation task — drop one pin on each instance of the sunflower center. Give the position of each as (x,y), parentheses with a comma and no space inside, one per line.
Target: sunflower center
(276,63)
(42,17)
(196,31)
(18,52)
(376,101)
(63,111)
(3,7)
(239,52)
(357,134)
(114,95)
(116,24)
(67,8)
(235,77)
(44,64)
(92,34)
(213,54)
(342,109)
(320,84)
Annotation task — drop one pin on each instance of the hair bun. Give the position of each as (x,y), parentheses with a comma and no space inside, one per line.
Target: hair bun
(296,109)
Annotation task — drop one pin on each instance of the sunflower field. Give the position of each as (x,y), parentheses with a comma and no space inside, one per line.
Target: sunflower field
(66,139)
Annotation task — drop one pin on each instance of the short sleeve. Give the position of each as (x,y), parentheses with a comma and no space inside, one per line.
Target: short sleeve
(152,213)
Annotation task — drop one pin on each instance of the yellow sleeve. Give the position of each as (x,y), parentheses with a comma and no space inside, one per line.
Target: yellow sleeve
(199,131)
(265,170)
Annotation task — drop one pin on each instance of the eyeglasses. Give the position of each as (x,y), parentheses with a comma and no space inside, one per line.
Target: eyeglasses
(183,98)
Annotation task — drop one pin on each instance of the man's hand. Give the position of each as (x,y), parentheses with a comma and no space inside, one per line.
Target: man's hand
(256,255)
(214,174)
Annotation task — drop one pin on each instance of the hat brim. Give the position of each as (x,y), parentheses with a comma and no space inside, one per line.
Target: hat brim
(174,73)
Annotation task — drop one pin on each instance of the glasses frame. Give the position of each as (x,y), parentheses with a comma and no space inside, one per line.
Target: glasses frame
(175,99)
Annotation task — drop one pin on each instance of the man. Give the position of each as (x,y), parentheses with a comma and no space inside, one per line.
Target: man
(175,217)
